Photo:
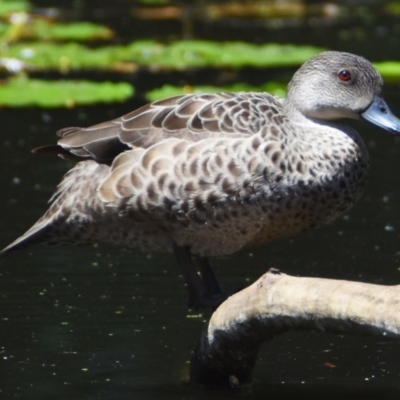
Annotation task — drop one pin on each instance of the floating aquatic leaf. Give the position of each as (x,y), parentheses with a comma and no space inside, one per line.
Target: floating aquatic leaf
(78,31)
(201,53)
(10,6)
(41,29)
(3,28)
(63,56)
(390,70)
(176,56)
(276,88)
(21,92)
(393,8)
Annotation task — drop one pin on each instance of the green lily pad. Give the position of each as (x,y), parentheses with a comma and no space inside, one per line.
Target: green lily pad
(45,30)
(276,88)
(10,6)
(202,53)
(63,57)
(22,92)
(3,28)
(390,70)
(393,8)
(176,56)
(78,31)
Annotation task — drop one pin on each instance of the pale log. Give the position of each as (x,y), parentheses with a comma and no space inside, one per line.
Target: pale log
(227,350)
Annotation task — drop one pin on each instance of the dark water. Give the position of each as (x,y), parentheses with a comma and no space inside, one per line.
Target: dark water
(110,323)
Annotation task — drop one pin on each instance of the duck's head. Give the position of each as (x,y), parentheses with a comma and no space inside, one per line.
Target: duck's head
(336,85)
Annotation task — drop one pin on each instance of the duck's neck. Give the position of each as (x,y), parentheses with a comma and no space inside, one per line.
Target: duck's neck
(298,118)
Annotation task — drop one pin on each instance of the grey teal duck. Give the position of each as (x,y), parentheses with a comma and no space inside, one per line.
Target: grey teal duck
(209,174)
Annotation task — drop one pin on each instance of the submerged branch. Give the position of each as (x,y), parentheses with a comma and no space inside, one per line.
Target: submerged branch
(227,350)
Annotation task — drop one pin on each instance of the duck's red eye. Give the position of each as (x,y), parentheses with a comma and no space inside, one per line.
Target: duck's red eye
(344,75)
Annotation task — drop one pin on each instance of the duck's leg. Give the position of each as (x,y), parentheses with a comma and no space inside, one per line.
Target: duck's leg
(195,284)
(208,275)
(204,289)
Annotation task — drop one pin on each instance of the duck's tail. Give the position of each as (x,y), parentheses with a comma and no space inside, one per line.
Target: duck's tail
(66,220)
(34,235)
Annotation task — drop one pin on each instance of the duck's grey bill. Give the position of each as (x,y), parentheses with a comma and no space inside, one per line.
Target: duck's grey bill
(378,113)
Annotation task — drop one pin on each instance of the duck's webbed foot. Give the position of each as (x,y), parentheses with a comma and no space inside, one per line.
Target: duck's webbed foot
(203,286)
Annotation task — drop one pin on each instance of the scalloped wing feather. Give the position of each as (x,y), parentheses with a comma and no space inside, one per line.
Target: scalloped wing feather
(191,117)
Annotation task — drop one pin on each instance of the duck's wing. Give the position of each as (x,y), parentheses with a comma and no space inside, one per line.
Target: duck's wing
(192,117)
